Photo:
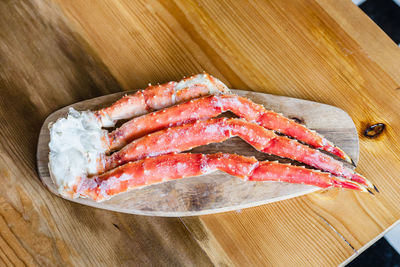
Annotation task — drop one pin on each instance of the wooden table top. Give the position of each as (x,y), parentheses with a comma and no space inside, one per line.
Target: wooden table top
(57,52)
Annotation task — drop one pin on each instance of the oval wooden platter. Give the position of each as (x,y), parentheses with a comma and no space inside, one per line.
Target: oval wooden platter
(216,192)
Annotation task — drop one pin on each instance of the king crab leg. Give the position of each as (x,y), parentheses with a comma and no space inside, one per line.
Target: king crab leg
(79,144)
(177,166)
(160,96)
(180,138)
(212,106)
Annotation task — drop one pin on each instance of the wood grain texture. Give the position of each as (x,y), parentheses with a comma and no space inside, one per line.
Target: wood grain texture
(43,67)
(216,192)
(302,49)
(312,50)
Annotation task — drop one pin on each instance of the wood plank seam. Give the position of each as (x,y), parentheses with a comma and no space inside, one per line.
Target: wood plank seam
(337,232)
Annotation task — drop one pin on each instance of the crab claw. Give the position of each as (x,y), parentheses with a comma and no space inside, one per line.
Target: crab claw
(344,183)
(338,152)
(362,180)
(274,171)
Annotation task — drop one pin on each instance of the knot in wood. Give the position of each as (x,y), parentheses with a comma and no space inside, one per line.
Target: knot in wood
(374,130)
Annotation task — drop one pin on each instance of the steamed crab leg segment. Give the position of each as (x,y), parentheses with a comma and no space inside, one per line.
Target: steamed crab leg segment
(202,108)
(176,166)
(188,136)
(160,96)
(212,106)
(269,119)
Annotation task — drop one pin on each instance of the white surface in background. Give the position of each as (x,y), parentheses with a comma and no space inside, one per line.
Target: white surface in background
(358,2)
(393,237)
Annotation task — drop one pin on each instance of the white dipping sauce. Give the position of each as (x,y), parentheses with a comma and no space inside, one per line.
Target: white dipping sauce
(76,145)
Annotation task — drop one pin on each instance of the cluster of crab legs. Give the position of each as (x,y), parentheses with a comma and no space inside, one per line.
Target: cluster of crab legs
(174,117)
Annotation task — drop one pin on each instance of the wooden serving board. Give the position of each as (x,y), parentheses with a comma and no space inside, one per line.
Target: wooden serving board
(216,192)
